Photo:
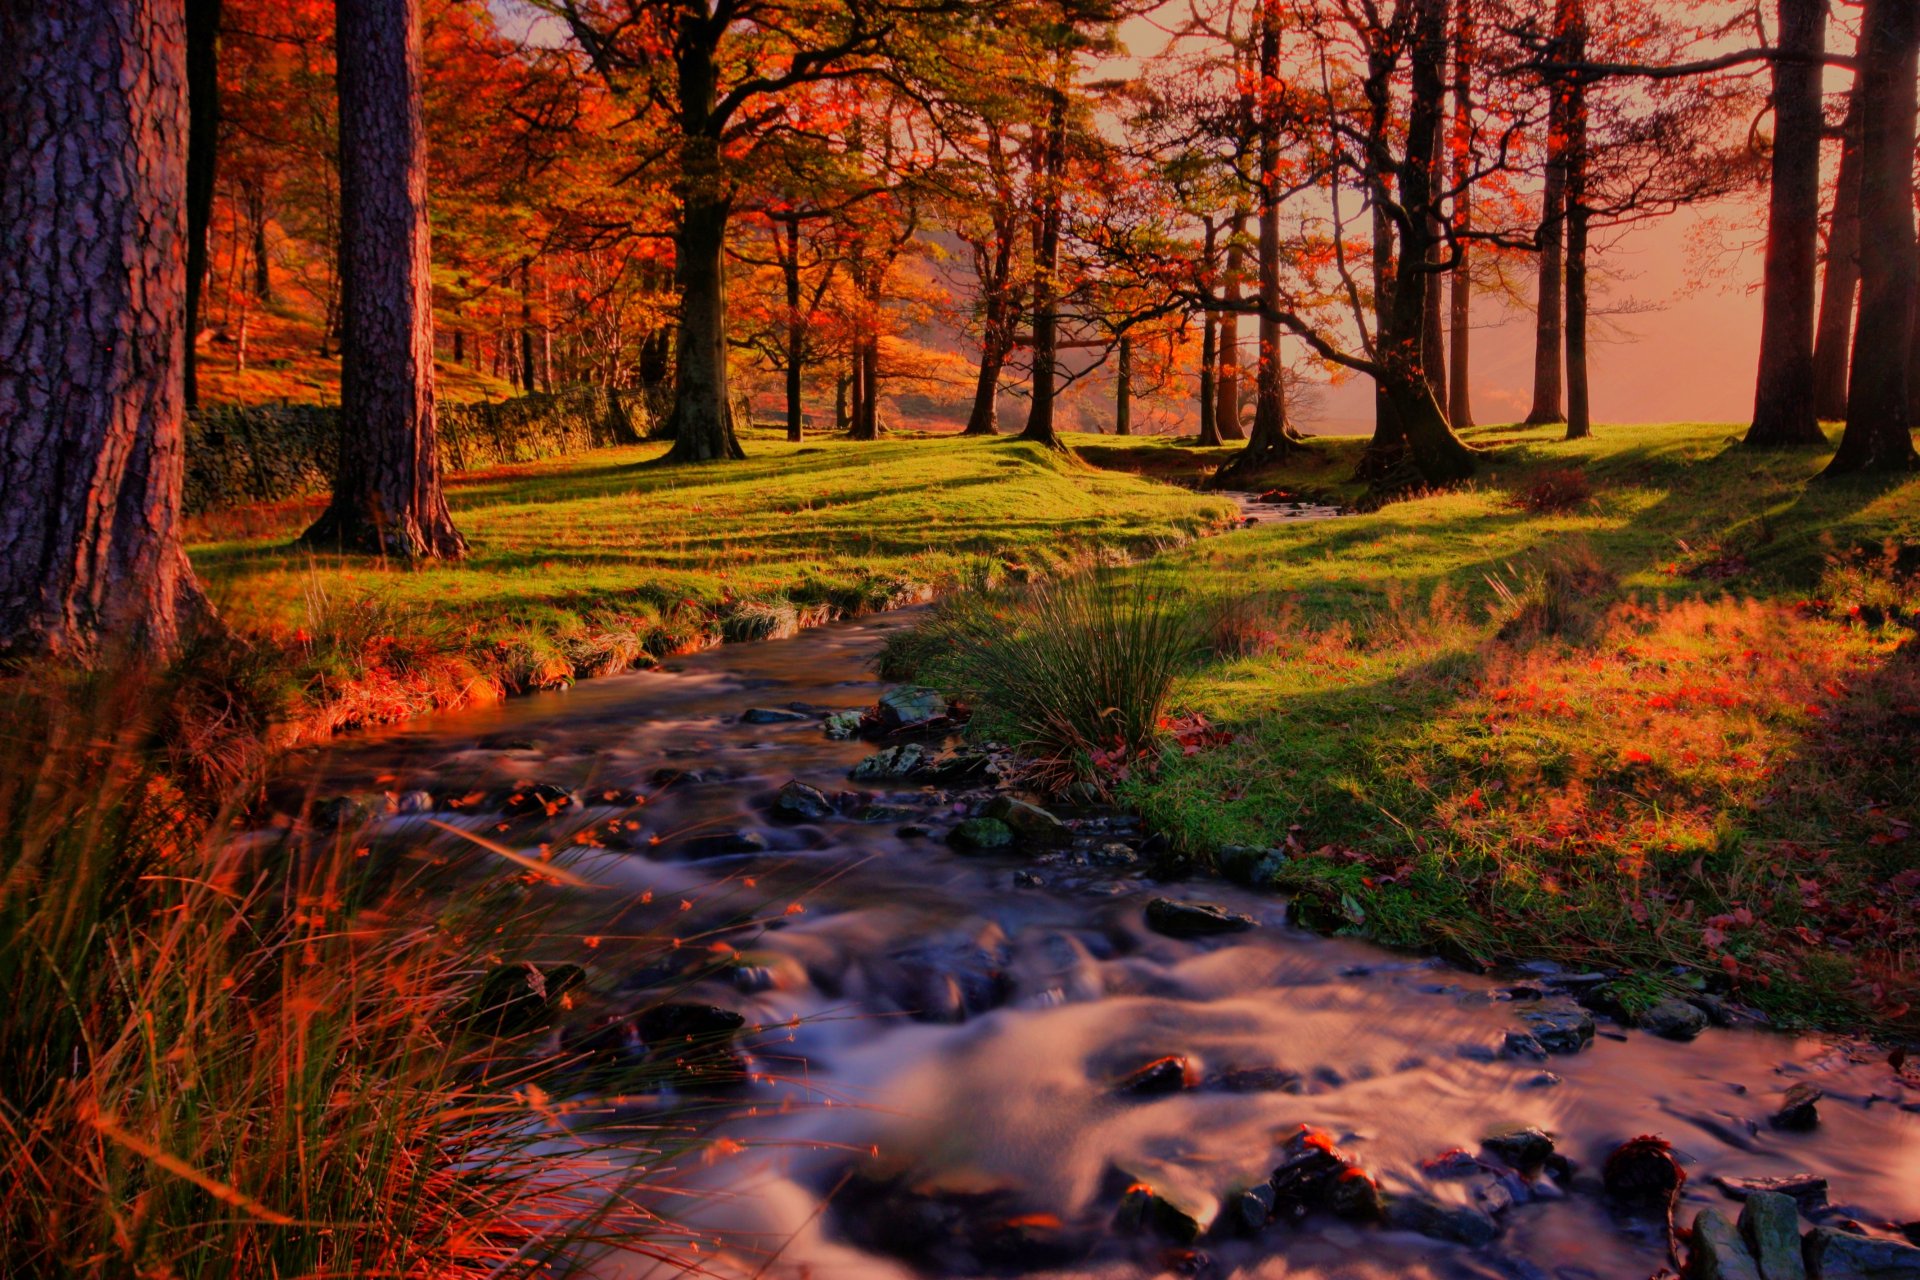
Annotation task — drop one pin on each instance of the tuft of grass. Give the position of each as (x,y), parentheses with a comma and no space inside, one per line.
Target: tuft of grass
(1074,675)
(229,1058)
(1555,490)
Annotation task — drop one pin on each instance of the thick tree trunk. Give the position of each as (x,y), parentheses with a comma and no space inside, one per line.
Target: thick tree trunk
(1879,433)
(1784,412)
(1460,310)
(866,416)
(1433,335)
(1579,399)
(796,329)
(528,368)
(386,489)
(1227,384)
(702,418)
(203,147)
(93,134)
(1123,389)
(1425,438)
(1547,406)
(984,418)
(1046,269)
(1840,284)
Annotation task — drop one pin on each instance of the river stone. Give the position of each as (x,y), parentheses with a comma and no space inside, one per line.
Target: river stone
(1716,1252)
(892,765)
(771,715)
(348,812)
(910,705)
(1248,864)
(1355,1196)
(1799,1110)
(1156,1079)
(1193,919)
(1770,1226)
(1030,822)
(1459,1223)
(1559,1026)
(841,725)
(1808,1189)
(720,844)
(1674,1020)
(961,765)
(411,802)
(1841,1255)
(802,803)
(1253,1207)
(1523,1146)
(981,835)
(1180,1216)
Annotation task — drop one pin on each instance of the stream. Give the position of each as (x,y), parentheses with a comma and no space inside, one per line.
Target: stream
(942,1043)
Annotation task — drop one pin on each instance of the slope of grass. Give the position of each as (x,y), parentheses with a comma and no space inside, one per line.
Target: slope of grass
(1674,725)
(590,564)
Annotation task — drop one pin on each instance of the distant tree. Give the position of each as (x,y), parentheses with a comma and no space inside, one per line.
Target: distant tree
(203,142)
(387,495)
(93,135)
(1879,434)
(1840,282)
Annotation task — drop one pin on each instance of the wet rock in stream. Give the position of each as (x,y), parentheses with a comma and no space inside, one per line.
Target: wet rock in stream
(895,764)
(1031,824)
(1178,919)
(1808,1189)
(981,835)
(1672,1019)
(1556,1026)
(798,802)
(955,1229)
(1523,1146)
(1158,1078)
(772,715)
(1799,1110)
(1842,1255)
(718,844)
(909,707)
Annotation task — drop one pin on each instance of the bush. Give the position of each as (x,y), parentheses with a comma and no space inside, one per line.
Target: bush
(1562,489)
(1068,673)
(238,1059)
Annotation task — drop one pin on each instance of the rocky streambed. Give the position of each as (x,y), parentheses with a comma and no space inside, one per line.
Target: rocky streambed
(954,1032)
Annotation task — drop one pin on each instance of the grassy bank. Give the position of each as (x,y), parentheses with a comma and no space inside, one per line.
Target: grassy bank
(1640,701)
(592,564)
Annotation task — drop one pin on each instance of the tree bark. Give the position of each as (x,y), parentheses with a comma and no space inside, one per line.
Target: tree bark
(796,329)
(1878,434)
(203,146)
(1460,316)
(1784,412)
(984,418)
(1547,406)
(1433,334)
(1227,384)
(1209,342)
(93,134)
(386,490)
(528,368)
(1579,399)
(1123,388)
(1840,283)
(257,222)
(1046,266)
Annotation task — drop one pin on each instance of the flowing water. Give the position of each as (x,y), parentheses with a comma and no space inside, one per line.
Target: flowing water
(958,1023)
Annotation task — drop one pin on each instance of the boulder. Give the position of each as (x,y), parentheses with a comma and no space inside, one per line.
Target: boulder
(771,715)
(1770,1227)
(895,764)
(1560,1026)
(909,706)
(1249,864)
(799,802)
(1193,919)
(1032,824)
(719,844)
(1523,1146)
(1155,1079)
(1799,1109)
(1458,1223)
(1716,1252)
(981,835)
(1674,1020)
(1841,1255)
(842,725)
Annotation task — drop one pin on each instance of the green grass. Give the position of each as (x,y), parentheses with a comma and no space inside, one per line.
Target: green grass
(589,564)
(1615,735)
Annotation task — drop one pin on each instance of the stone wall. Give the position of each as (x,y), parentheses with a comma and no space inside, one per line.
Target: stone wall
(267,453)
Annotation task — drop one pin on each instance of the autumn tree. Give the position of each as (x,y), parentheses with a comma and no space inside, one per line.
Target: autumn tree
(93,134)
(387,496)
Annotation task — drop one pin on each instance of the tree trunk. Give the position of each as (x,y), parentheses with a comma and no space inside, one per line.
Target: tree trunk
(93,133)
(1227,385)
(1840,284)
(527,367)
(1460,317)
(1547,332)
(1878,435)
(866,420)
(1784,412)
(984,418)
(1209,409)
(1046,267)
(841,420)
(856,387)
(257,224)
(1123,389)
(1433,334)
(1425,436)
(796,329)
(203,148)
(1579,399)
(386,489)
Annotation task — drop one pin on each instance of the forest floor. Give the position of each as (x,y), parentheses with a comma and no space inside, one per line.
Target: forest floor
(1643,700)
(600,562)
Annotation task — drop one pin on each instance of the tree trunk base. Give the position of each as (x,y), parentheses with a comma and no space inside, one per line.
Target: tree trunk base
(349,528)
(1249,462)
